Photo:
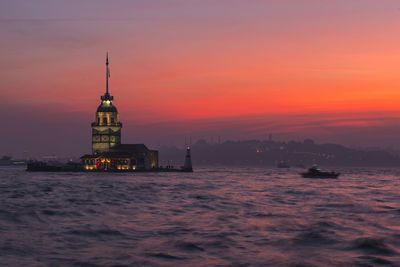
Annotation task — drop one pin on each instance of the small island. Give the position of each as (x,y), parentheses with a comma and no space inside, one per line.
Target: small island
(108,153)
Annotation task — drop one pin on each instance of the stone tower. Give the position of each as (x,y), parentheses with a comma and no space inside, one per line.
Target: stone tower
(106,130)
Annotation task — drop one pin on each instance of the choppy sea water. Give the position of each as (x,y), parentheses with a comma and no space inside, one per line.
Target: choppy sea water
(212,217)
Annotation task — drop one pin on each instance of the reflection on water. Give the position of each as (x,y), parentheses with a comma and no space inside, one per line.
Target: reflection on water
(209,217)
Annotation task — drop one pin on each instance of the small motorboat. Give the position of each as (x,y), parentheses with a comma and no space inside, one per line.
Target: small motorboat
(283,165)
(315,172)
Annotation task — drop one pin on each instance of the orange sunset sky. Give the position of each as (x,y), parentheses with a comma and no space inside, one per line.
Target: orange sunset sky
(327,70)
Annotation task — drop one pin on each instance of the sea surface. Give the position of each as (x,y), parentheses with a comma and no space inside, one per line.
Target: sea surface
(212,217)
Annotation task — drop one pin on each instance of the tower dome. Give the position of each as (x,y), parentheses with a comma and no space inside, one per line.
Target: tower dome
(107,106)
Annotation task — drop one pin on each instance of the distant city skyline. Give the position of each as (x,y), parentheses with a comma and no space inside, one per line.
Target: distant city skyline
(328,71)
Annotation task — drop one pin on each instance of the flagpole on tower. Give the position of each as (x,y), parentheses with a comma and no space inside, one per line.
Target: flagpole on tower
(107,74)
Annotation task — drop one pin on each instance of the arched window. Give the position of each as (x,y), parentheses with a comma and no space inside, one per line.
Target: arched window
(105,120)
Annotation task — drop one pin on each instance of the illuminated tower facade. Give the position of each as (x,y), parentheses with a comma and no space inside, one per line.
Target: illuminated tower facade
(106,130)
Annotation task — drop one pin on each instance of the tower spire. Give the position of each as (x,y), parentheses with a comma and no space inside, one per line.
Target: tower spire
(107,94)
(107,74)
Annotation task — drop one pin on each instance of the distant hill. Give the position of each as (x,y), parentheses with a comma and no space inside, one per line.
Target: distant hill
(269,153)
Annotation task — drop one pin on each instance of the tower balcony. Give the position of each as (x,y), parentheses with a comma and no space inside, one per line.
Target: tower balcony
(107,96)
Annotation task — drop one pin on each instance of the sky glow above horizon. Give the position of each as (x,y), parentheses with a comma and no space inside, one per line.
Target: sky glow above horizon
(328,70)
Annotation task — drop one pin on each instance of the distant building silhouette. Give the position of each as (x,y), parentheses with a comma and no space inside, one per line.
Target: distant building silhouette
(295,153)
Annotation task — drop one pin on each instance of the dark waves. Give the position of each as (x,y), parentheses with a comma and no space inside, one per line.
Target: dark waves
(213,217)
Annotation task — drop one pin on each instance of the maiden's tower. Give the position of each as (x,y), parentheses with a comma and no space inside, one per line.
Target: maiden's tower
(107,151)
